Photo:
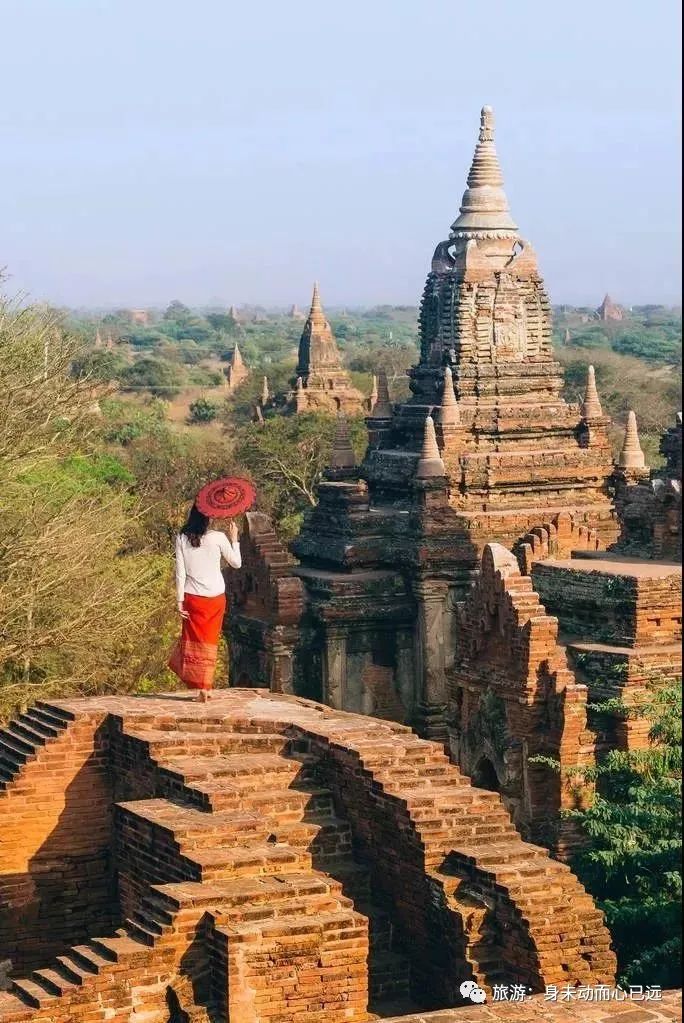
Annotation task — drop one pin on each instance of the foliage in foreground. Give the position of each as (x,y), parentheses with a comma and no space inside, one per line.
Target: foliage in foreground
(632,861)
(285,457)
(82,597)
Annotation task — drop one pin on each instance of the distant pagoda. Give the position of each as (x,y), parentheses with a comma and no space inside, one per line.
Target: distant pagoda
(609,310)
(237,372)
(321,383)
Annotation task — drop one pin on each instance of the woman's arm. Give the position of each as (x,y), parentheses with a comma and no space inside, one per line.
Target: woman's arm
(180,573)
(230,547)
(231,552)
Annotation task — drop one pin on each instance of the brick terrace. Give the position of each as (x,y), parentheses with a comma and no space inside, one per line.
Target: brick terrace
(263,858)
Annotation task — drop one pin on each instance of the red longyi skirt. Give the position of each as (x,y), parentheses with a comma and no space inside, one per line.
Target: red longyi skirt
(194,656)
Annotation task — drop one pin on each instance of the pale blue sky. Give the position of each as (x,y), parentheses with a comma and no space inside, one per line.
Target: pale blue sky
(212,150)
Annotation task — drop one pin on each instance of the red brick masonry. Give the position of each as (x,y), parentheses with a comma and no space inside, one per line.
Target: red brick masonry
(263,858)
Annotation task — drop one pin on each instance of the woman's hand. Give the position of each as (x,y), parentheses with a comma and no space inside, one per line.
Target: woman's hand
(233,533)
(182,612)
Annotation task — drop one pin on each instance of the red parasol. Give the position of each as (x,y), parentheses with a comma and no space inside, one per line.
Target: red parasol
(225,498)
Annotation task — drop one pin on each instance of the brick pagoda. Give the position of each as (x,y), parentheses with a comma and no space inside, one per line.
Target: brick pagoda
(484,450)
(321,382)
(237,371)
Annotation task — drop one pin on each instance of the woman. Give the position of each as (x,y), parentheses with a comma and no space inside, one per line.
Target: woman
(201,596)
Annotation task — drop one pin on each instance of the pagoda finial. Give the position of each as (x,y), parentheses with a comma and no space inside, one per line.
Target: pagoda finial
(342,455)
(631,456)
(448,413)
(486,125)
(430,463)
(382,409)
(264,391)
(484,208)
(236,358)
(316,314)
(591,406)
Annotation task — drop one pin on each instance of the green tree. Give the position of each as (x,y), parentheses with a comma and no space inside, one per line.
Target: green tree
(160,378)
(632,860)
(82,598)
(285,457)
(202,411)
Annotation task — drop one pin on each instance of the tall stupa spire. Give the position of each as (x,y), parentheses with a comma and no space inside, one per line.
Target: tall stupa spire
(484,208)
(316,315)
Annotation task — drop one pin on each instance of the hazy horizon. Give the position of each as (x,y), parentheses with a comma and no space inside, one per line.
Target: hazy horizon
(225,156)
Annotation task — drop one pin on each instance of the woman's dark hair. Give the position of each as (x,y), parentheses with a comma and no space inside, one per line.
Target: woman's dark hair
(196,526)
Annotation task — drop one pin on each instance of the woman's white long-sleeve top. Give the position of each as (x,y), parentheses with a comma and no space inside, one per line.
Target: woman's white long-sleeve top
(198,569)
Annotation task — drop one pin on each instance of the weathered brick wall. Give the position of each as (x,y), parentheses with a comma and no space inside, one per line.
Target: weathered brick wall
(512,698)
(56,870)
(265,605)
(240,884)
(612,602)
(558,538)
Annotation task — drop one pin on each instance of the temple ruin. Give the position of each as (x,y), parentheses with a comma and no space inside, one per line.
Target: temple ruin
(609,310)
(237,372)
(487,571)
(321,383)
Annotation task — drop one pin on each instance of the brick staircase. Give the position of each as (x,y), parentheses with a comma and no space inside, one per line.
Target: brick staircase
(23,738)
(272,852)
(261,812)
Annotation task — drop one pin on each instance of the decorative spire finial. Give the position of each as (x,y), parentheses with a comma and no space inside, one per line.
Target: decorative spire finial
(316,315)
(484,209)
(236,357)
(382,409)
(591,406)
(265,395)
(631,456)
(430,463)
(486,125)
(342,455)
(448,413)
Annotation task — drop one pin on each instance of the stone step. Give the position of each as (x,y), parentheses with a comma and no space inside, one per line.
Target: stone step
(191,828)
(310,905)
(46,718)
(250,861)
(92,959)
(238,766)
(16,744)
(118,949)
(513,855)
(12,1007)
(62,716)
(30,734)
(344,919)
(216,740)
(266,889)
(33,993)
(74,970)
(54,981)
(273,804)
(142,931)
(32,718)
(325,838)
